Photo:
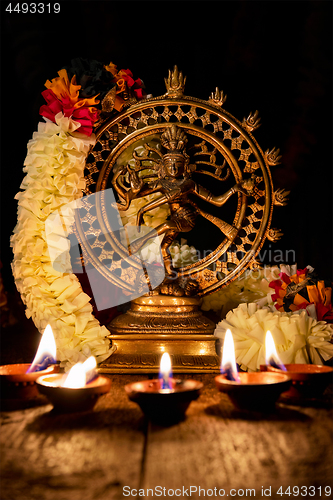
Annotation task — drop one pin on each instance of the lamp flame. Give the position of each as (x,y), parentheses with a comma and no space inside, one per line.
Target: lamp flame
(228,364)
(46,352)
(81,374)
(165,371)
(272,357)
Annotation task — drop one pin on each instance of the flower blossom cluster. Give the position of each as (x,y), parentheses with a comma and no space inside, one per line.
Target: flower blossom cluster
(80,102)
(182,254)
(298,337)
(62,96)
(300,289)
(251,286)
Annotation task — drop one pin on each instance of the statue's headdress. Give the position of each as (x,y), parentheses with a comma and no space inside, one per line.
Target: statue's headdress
(174,140)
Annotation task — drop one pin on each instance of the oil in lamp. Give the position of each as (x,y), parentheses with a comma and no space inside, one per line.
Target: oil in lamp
(18,381)
(308,381)
(257,391)
(77,391)
(164,400)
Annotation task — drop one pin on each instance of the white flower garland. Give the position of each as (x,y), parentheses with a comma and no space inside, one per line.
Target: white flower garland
(55,177)
(298,337)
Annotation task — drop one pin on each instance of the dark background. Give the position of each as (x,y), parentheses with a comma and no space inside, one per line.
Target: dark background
(272,56)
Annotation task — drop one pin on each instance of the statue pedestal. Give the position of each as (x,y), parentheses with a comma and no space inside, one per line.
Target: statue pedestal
(160,323)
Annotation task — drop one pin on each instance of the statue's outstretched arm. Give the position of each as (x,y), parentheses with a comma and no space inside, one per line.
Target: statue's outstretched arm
(138,188)
(245,187)
(129,195)
(150,206)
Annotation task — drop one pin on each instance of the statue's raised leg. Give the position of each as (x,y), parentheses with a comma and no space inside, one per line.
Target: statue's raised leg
(161,229)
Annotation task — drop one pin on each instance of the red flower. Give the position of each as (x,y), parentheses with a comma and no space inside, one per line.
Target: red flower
(324,313)
(87,118)
(275,284)
(53,106)
(138,90)
(285,278)
(302,271)
(86,115)
(127,75)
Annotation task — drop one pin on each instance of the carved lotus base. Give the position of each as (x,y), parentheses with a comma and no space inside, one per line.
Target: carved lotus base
(157,324)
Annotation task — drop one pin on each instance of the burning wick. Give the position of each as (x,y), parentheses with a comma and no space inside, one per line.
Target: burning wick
(81,374)
(272,357)
(228,364)
(165,371)
(46,352)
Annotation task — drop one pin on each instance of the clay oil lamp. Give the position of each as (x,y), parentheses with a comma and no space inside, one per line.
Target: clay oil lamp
(308,381)
(257,391)
(164,400)
(18,381)
(76,391)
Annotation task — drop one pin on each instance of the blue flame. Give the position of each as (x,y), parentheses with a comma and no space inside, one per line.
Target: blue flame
(229,373)
(279,365)
(46,361)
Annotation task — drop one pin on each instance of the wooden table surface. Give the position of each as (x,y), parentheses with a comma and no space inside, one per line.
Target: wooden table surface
(109,452)
(96,454)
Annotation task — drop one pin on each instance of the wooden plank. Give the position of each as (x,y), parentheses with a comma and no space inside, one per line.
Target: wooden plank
(89,455)
(220,447)
(94,455)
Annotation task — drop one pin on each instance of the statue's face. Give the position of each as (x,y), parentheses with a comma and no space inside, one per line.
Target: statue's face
(174,165)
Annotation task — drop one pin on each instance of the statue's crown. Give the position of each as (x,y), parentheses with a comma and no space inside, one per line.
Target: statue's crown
(174,139)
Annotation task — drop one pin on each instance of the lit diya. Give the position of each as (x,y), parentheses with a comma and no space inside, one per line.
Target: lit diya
(78,390)
(18,381)
(164,400)
(250,391)
(308,381)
